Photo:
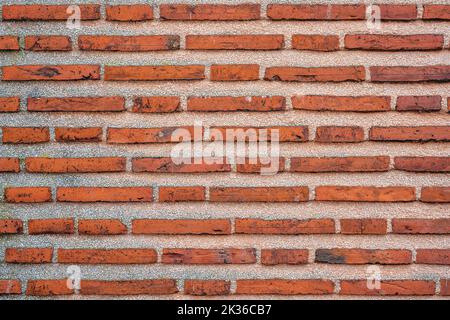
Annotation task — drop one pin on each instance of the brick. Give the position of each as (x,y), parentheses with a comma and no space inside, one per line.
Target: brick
(9,43)
(48,43)
(254,134)
(181,194)
(9,104)
(156,104)
(149,135)
(315,12)
(363,226)
(394,42)
(51,226)
(11,226)
(28,255)
(25,135)
(51,72)
(9,165)
(389,288)
(224,103)
(129,43)
(421,226)
(342,103)
(167,165)
(207,287)
(317,74)
(284,287)
(433,256)
(212,12)
(78,134)
(101,227)
(208,256)
(262,166)
(130,287)
(340,164)
(419,134)
(315,42)
(363,256)
(77,104)
(28,194)
(107,256)
(422,164)
(445,287)
(340,134)
(398,12)
(75,165)
(49,12)
(177,226)
(11,286)
(104,194)
(285,226)
(129,13)
(234,42)
(419,103)
(440,73)
(234,72)
(259,194)
(435,194)
(45,288)
(154,73)
(284,256)
(436,12)
(365,194)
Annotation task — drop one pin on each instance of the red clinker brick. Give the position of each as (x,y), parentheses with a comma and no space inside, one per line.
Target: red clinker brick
(77,104)
(212,12)
(234,42)
(208,256)
(9,165)
(181,194)
(150,135)
(272,257)
(28,194)
(78,134)
(255,103)
(419,134)
(421,226)
(433,256)
(154,73)
(363,226)
(107,256)
(101,227)
(129,287)
(317,74)
(178,226)
(285,226)
(28,255)
(437,73)
(262,166)
(168,165)
(259,194)
(234,72)
(48,288)
(254,134)
(384,42)
(51,226)
(315,42)
(9,104)
(389,288)
(422,164)
(104,194)
(398,12)
(340,164)
(445,287)
(129,43)
(365,194)
(284,287)
(156,104)
(12,286)
(419,103)
(9,43)
(315,12)
(48,43)
(75,165)
(436,12)
(129,13)
(11,226)
(435,194)
(207,287)
(342,103)
(25,135)
(347,12)
(51,72)
(363,256)
(49,12)
(339,134)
